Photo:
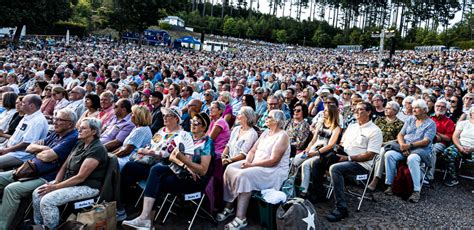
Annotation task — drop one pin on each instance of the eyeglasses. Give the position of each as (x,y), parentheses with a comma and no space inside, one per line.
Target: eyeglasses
(259,92)
(207,95)
(272,104)
(347,93)
(82,129)
(453,101)
(55,119)
(297,110)
(329,102)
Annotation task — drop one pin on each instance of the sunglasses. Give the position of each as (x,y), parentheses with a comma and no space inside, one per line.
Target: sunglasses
(207,95)
(453,101)
(347,93)
(196,122)
(259,92)
(297,110)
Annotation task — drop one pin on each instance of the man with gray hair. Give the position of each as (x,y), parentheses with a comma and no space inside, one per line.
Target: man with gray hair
(48,156)
(32,127)
(76,96)
(444,133)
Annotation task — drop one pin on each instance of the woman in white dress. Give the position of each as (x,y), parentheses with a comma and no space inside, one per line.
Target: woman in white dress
(265,167)
(242,137)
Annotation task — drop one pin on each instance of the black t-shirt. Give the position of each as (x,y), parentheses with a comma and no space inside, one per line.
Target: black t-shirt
(95,150)
(14,123)
(376,115)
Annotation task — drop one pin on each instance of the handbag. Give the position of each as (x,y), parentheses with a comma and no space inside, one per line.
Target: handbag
(144,159)
(180,172)
(26,171)
(34,168)
(100,216)
(297,213)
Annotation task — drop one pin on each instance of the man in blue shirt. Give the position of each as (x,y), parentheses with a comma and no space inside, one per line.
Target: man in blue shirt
(48,155)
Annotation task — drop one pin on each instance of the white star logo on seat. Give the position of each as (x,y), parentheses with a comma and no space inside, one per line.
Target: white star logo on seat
(310,220)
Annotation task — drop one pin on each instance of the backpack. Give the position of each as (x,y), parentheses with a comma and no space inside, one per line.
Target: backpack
(297,213)
(402,184)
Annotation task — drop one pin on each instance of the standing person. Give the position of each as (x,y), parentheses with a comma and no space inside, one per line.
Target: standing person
(361,141)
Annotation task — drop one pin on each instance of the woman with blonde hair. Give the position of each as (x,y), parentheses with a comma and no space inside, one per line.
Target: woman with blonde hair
(319,153)
(139,137)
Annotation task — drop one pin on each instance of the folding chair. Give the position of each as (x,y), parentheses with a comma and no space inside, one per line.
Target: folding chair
(196,198)
(361,178)
(425,168)
(142,185)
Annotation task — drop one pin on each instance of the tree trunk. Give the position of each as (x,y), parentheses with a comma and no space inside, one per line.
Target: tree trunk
(223,8)
(204,8)
(17,35)
(212,8)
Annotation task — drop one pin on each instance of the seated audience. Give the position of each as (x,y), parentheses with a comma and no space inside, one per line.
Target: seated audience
(194,171)
(360,142)
(462,147)
(219,128)
(92,106)
(80,177)
(415,145)
(48,155)
(32,127)
(266,166)
(298,128)
(119,127)
(242,137)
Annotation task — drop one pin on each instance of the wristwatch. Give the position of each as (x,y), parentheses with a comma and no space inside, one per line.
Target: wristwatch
(349,158)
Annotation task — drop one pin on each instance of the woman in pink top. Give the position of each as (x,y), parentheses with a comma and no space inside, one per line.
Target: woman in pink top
(219,129)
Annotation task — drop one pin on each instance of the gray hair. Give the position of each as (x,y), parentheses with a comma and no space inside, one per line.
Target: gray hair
(249,113)
(226,96)
(439,101)
(94,124)
(279,117)
(377,96)
(81,90)
(220,105)
(393,105)
(70,114)
(408,99)
(420,103)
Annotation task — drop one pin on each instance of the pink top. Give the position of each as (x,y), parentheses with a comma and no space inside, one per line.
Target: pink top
(223,137)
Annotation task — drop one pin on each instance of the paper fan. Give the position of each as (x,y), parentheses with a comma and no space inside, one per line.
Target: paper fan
(187,141)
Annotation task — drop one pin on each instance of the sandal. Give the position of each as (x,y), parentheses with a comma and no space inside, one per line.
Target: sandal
(236,224)
(225,214)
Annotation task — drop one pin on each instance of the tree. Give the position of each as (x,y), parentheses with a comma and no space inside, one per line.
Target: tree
(281,36)
(321,39)
(39,14)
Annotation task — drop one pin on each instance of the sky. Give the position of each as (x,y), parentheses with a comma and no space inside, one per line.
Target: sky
(264,8)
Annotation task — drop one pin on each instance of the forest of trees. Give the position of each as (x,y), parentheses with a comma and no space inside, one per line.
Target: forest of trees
(322,23)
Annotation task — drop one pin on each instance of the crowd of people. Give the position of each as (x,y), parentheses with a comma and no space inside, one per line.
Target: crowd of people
(228,122)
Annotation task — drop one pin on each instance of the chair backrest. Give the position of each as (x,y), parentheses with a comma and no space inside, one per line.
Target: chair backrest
(110,190)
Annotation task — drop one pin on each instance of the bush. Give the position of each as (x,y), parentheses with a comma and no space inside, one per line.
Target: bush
(60,28)
(165,26)
(464,44)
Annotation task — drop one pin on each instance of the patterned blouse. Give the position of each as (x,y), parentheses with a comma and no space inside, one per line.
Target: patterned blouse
(298,133)
(389,130)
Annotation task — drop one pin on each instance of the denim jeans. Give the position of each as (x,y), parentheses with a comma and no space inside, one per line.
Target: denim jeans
(438,149)
(337,172)
(413,161)
(306,164)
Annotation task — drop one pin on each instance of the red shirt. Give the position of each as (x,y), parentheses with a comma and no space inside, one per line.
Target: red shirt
(445,126)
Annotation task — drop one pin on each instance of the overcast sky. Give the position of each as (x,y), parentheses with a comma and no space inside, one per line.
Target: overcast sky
(264,8)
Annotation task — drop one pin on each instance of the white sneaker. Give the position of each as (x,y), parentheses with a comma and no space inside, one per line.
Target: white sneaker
(139,224)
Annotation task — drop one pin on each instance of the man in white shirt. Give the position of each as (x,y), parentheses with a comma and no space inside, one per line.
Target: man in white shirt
(361,141)
(31,128)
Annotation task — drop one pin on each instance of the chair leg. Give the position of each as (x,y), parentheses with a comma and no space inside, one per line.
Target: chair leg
(196,212)
(139,198)
(169,210)
(423,176)
(162,205)
(365,188)
(28,210)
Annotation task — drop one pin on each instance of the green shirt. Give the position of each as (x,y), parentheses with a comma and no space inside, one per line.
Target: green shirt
(79,154)
(389,130)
